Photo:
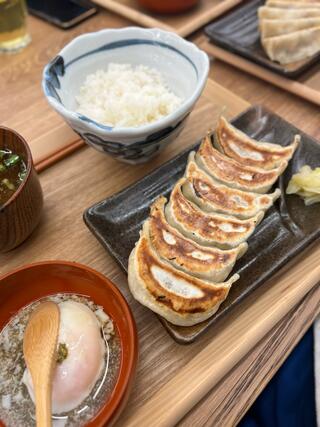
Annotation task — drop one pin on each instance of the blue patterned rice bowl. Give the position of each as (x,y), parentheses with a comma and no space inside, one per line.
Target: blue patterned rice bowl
(184,67)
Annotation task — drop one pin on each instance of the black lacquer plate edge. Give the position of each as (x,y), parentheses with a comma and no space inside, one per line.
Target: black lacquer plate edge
(187,339)
(219,40)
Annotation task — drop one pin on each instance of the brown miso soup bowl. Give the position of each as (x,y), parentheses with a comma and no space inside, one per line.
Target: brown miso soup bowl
(20,214)
(168,6)
(33,282)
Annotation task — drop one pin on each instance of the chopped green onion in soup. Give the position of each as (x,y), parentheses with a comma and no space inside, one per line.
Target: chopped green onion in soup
(12,173)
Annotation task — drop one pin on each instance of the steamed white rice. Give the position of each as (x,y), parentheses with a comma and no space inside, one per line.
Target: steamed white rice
(126,96)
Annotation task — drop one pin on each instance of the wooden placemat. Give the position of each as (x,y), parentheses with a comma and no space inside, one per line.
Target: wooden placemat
(183,24)
(307,86)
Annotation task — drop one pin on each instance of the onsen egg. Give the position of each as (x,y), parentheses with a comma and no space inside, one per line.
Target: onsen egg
(75,377)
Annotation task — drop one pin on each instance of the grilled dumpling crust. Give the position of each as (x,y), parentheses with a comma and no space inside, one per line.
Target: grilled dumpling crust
(178,297)
(211,196)
(233,173)
(207,229)
(240,147)
(206,263)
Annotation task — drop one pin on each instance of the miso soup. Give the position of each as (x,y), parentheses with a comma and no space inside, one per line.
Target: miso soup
(13,171)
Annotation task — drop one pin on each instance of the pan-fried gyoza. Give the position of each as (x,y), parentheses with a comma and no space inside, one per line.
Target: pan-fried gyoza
(211,196)
(290,30)
(209,263)
(240,147)
(189,245)
(208,229)
(179,297)
(233,173)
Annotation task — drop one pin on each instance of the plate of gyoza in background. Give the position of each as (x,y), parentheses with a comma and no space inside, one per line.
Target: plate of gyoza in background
(220,222)
(281,35)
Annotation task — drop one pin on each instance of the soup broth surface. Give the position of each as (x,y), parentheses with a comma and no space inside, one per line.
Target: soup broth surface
(16,406)
(13,171)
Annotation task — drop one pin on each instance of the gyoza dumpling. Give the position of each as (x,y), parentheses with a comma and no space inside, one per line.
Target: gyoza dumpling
(285,4)
(278,27)
(239,146)
(265,12)
(211,196)
(293,47)
(206,263)
(177,296)
(207,229)
(233,173)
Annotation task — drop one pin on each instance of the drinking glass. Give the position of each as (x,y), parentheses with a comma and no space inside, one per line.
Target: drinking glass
(13,26)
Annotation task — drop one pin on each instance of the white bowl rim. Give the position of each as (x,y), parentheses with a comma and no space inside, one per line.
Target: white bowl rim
(150,128)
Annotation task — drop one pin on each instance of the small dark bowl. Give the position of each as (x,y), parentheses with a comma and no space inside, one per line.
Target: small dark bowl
(21,213)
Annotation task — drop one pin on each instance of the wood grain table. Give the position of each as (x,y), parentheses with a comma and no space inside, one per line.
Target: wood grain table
(216,379)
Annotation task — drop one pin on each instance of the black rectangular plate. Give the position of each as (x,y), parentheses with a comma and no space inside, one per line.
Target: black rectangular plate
(287,228)
(237,31)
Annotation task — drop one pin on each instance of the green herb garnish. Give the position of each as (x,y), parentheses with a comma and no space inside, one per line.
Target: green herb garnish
(12,160)
(62,353)
(8,184)
(13,172)
(22,175)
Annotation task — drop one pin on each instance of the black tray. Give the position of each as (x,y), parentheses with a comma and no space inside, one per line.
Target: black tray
(287,228)
(237,31)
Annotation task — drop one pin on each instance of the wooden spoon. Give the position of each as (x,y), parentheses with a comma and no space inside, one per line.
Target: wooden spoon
(39,349)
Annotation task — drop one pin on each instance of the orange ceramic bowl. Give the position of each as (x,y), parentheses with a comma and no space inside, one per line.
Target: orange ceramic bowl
(34,281)
(168,6)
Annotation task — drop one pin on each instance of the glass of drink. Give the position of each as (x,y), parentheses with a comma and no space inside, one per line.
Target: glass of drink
(13,26)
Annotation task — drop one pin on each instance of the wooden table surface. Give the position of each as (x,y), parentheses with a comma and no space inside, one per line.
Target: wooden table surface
(239,362)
